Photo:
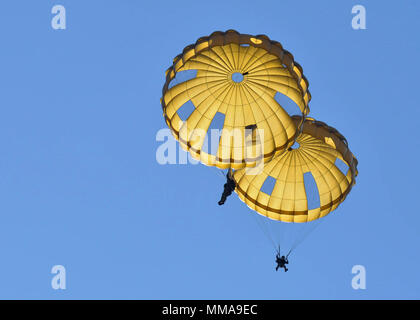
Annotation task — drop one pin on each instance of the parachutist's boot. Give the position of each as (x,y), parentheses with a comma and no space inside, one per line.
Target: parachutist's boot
(223,199)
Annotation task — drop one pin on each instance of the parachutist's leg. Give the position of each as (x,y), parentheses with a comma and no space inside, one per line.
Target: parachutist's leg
(222,200)
(226,193)
(277,268)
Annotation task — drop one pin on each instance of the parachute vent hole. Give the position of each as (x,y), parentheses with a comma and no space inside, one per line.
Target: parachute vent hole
(287,104)
(311,189)
(237,77)
(268,185)
(295,146)
(342,166)
(186,109)
(212,139)
(182,76)
(244,45)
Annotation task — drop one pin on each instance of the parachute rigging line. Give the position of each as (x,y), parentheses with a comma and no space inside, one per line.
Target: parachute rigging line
(301,239)
(266,232)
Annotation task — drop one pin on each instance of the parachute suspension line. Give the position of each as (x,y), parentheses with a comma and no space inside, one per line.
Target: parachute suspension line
(300,240)
(265,230)
(220,171)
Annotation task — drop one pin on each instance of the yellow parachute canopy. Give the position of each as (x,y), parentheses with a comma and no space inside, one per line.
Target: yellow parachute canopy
(319,148)
(237,77)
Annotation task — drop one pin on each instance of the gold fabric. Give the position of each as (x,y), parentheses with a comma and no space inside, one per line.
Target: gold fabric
(266,69)
(319,147)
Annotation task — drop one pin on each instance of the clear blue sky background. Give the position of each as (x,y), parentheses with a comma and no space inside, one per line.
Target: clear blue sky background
(80,185)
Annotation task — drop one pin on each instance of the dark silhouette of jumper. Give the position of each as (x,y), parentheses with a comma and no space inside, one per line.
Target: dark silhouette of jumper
(281,262)
(229,187)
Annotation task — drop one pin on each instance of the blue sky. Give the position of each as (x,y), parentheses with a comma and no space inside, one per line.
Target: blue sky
(79,181)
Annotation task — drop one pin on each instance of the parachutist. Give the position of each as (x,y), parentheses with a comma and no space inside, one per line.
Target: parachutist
(229,187)
(322,172)
(281,262)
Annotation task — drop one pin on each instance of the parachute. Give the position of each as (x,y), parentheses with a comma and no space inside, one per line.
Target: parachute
(235,77)
(319,147)
(287,167)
